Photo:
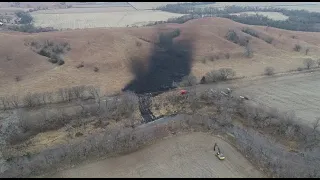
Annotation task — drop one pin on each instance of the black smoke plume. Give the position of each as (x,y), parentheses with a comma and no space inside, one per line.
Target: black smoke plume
(169,62)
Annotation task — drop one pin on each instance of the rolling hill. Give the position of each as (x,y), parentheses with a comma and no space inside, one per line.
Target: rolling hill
(110,50)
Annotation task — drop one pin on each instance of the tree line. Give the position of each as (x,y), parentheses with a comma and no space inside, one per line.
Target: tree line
(298,20)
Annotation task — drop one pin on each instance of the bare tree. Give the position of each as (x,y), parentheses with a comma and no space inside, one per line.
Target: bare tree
(15,101)
(297,47)
(5,103)
(222,74)
(308,63)
(269,71)
(24,120)
(61,94)
(95,93)
(70,93)
(44,97)
(49,96)
(37,98)
(248,51)
(316,124)
(307,51)
(78,91)
(83,108)
(227,73)
(189,80)
(29,100)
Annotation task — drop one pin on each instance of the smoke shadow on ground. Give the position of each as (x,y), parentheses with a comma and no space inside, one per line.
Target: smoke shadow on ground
(169,62)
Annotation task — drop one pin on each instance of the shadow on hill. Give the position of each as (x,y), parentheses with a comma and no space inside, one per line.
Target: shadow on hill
(169,62)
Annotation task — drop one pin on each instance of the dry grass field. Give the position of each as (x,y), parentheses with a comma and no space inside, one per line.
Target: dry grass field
(292,93)
(110,49)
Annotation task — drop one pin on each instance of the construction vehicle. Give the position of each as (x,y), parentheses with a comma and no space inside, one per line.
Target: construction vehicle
(219,155)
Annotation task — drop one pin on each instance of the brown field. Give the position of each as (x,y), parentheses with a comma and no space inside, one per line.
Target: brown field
(80,18)
(84,10)
(182,156)
(109,14)
(297,93)
(111,48)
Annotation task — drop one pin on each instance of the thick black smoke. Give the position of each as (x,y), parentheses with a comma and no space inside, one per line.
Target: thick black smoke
(169,62)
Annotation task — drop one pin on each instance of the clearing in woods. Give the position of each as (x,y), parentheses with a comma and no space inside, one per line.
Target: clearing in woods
(186,155)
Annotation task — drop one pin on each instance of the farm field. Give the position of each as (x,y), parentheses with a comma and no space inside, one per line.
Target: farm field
(12,10)
(295,93)
(75,18)
(136,13)
(310,6)
(150,5)
(188,155)
(272,15)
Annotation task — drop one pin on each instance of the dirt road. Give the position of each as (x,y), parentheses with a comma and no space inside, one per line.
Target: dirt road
(187,155)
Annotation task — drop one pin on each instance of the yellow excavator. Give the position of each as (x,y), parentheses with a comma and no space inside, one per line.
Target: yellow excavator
(219,155)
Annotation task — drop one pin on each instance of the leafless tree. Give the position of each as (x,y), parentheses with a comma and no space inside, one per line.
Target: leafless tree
(308,63)
(95,93)
(316,124)
(37,98)
(81,104)
(5,103)
(15,101)
(297,47)
(61,94)
(44,97)
(78,91)
(269,71)
(248,51)
(29,100)
(49,96)
(189,80)
(307,51)
(227,73)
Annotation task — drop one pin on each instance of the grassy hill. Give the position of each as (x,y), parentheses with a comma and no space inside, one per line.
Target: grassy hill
(110,50)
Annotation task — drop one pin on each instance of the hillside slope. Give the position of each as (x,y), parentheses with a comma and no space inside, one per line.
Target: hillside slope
(110,50)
